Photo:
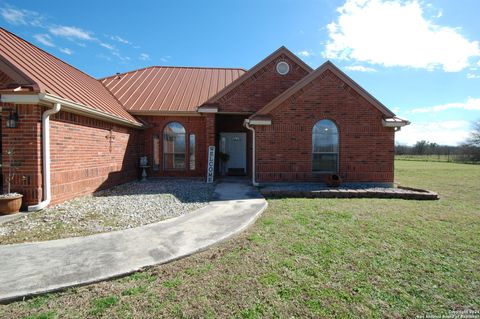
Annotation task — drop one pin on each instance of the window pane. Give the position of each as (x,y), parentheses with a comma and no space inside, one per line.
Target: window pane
(174,146)
(325,126)
(325,146)
(175,128)
(192,151)
(325,162)
(179,161)
(156,152)
(179,143)
(174,161)
(325,143)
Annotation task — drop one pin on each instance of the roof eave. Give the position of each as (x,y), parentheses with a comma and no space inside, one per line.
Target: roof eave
(163,113)
(259,122)
(67,105)
(81,109)
(207,109)
(395,122)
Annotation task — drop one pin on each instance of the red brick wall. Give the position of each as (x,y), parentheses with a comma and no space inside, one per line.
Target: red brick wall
(193,125)
(284,150)
(82,158)
(261,88)
(25,141)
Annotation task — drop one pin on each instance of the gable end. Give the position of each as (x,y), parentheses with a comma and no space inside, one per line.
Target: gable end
(325,70)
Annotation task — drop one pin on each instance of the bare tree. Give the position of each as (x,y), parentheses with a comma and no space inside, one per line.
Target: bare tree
(474,139)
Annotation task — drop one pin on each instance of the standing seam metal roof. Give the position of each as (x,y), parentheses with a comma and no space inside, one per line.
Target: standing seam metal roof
(51,75)
(168,88)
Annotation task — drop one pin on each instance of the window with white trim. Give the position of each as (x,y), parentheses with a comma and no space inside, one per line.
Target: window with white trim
(174,145)
(325,147)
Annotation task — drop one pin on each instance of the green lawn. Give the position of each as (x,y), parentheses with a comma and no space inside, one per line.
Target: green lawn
(347,258)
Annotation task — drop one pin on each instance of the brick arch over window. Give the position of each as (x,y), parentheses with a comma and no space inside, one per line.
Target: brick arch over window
(325,146)
(174,146)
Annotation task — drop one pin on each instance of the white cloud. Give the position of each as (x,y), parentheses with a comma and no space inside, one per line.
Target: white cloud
(473,76)
(472,104)
(107,46)
(441,132)
(305,53)
(44,39)
(103,56)
(360,68)
(144,57)
(71,33)
(14,16)
(120,39)
(119,56)
(66,51)
(21,16)
(396,33)
(165,58)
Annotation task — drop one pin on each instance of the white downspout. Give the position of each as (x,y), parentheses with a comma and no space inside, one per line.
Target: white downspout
(47,191)
(254,183)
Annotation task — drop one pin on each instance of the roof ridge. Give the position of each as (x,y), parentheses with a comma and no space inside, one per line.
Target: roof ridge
(170,67)
(257,67)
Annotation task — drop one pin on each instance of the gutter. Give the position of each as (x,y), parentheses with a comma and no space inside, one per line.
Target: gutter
(47,191)
(67,105)
(84,110)
(246,123)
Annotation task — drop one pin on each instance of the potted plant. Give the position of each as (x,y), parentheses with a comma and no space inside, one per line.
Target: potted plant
(10,203)
(224,157)
(333,180)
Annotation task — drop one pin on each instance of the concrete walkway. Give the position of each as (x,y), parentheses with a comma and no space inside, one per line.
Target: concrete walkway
(33,268)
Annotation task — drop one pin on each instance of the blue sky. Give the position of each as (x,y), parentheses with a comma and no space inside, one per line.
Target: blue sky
(419,58)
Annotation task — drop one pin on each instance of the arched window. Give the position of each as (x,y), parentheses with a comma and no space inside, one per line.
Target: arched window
(325,147)
(174,146)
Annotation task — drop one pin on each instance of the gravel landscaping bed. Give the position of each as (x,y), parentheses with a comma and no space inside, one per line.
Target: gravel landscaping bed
(124,206)
(345,190)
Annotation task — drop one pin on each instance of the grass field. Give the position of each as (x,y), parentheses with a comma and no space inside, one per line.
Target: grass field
(347,258)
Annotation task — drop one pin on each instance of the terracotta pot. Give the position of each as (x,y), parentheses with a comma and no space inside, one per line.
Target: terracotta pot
(333,180)
(10,205)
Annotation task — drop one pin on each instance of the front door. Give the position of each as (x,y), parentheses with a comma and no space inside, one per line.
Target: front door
(234,146)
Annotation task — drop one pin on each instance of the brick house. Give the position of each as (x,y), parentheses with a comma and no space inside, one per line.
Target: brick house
(279,121)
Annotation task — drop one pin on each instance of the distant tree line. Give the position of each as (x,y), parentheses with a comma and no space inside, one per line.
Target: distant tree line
(469,151)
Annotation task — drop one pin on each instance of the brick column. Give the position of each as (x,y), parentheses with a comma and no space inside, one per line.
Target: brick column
(210,129)
(26,143)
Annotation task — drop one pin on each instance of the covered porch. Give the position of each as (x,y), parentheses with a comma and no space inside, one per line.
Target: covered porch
(233,145)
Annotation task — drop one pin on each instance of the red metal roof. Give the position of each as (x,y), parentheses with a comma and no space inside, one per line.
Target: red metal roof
(169,89)
(48,74)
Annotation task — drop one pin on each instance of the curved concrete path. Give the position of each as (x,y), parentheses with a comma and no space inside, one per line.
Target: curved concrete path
(33,268)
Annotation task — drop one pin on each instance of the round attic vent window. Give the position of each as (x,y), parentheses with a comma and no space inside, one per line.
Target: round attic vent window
(283,67)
